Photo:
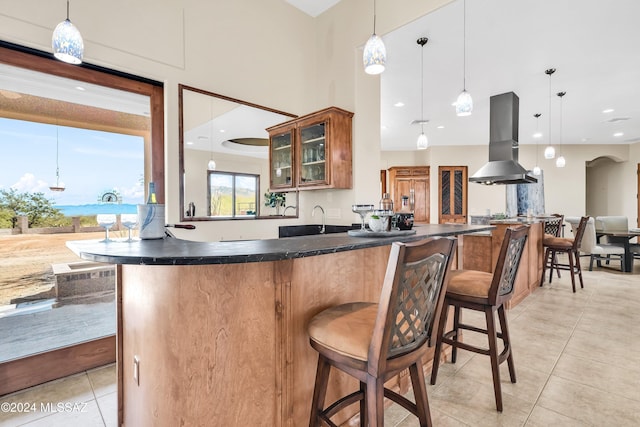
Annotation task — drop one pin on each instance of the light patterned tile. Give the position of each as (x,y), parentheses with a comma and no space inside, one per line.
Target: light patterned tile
(609,378)
(86,416)
(108,405)
(587,404)
(541,417)
(73,389)
(103,380)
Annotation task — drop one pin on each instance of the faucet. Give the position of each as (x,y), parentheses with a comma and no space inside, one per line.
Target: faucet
(313,212)
(284,213)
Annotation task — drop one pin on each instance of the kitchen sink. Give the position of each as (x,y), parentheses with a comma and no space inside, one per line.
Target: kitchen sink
(313,229)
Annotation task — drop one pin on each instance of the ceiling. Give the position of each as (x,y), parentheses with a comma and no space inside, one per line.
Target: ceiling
(592,44)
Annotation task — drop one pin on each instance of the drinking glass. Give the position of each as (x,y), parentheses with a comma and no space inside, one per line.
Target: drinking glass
(106,221)
(362,210)
(129,221)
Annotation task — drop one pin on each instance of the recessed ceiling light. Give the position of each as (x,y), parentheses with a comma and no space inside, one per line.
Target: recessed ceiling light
(618,134)
(440,127)
(222,131)
(608,110)
(189,142)
(586,139)
(399,104)
(383,127)
(80,88)
(537,135)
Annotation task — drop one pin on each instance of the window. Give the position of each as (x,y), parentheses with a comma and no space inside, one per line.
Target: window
(233,195)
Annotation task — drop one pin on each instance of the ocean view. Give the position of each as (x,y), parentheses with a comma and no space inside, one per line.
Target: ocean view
(97,208)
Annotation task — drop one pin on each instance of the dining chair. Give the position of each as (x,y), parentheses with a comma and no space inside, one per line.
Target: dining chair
(486,292)
(374,342)
(598,251)
(571,248)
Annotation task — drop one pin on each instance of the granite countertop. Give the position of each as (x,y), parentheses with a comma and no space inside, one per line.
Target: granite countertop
(518,220)
(173,251)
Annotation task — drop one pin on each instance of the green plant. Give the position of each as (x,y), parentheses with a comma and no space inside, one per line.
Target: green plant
(275,199)
(375,217)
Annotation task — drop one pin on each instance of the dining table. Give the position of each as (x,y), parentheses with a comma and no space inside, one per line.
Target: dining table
(623,238)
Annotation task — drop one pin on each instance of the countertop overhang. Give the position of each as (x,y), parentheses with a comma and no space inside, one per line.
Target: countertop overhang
(173,251)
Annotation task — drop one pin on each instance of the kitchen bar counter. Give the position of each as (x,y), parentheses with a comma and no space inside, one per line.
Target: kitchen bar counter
(172,251)
(215,333)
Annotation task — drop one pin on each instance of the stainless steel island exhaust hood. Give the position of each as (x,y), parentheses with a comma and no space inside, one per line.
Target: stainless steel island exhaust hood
(503,166)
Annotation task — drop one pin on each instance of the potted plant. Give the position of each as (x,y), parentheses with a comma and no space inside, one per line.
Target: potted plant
(275,200)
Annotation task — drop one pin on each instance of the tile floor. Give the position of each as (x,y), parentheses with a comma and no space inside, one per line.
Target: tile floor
(577,360)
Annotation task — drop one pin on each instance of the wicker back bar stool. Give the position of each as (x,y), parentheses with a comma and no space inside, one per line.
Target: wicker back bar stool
(374,342)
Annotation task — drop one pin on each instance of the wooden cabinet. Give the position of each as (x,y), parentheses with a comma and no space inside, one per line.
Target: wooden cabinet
(412,182)
(452,199)
(312,151)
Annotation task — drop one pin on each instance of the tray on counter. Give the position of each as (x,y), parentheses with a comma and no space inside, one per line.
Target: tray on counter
(369,233)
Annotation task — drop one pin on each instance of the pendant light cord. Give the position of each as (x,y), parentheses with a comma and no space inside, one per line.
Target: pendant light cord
(67,10)
(57,165)
(561,95)
(464,45)
(422,90)
(374,16)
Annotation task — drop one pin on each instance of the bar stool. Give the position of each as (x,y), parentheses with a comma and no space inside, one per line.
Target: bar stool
(568,246)
(487,292)
(552,228)
(374,342)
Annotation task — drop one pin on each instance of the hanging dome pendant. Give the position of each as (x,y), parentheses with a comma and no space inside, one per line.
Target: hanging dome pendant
(67,43)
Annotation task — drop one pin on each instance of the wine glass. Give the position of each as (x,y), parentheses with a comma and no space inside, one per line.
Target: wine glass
(362,210)
(129,221)
(106,221)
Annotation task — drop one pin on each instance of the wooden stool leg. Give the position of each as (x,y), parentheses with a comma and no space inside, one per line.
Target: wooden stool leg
(319,391)
(544,265)
(576,255)
(363,405)
(493,355)
(572,270)
(456,328)
(420,394)
(504,328)
(375,401)
(439,334)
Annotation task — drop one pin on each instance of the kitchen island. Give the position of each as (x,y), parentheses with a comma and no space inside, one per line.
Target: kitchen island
(215,333)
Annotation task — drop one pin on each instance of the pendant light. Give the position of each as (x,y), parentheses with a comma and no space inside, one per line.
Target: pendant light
(549,152)
(422,142)
(464,103)
(560,161)
(59,185)
(375,54)
(211,166)
(67,42)
(536,169)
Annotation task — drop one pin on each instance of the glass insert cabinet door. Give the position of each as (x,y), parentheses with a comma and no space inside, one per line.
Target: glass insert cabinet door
(281,155)
(313,153)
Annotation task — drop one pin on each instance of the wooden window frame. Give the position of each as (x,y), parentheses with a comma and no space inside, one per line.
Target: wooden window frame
(61,362)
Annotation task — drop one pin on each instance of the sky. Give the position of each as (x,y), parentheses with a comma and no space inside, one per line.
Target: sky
(91,163)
